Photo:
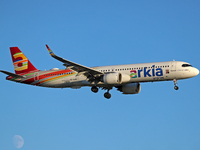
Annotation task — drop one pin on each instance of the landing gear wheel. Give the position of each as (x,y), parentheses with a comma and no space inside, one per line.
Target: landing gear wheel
(176,87)
(175,83)
(94,89)
(107,95)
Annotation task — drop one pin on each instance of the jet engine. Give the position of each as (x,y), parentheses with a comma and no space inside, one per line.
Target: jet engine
(132,88)
(115,78)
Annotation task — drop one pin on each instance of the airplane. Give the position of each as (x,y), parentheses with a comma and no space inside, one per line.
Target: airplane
(126,78)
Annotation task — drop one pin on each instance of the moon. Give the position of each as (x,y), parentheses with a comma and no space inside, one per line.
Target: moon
(18,141)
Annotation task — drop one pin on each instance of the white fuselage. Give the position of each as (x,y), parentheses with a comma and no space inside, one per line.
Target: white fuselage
(144,72)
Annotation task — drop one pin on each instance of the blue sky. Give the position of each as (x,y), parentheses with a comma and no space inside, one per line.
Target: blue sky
(95,33)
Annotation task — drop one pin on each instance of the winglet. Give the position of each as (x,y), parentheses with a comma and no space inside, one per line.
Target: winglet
(49,50)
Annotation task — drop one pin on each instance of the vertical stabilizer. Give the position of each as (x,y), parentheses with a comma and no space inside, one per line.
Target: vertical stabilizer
(20,62)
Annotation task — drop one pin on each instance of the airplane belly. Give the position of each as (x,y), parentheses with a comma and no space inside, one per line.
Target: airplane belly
(58,83)
(63,82)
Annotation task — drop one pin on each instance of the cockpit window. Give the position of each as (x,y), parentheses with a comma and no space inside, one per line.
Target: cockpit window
(186,65)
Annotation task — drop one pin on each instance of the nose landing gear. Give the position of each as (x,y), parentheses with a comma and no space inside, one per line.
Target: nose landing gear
(176,87)
(175,83)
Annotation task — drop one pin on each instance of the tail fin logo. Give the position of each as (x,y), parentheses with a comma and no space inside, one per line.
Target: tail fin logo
(21,62)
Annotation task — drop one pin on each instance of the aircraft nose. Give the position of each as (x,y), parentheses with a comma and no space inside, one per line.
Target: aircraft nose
(196,71)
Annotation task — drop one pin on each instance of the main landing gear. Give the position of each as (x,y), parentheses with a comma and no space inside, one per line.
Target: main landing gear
(106,95)
(94,89)
(175,83)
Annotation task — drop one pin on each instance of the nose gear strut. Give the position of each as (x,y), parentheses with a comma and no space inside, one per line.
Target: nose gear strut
(175,84)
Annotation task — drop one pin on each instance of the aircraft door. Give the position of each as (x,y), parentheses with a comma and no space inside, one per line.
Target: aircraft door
(173,70)
(36,76)
(173,66)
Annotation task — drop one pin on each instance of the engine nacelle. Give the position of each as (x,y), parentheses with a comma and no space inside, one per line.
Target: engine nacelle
(125,78)
(115,78)
(112,78)
(132,88)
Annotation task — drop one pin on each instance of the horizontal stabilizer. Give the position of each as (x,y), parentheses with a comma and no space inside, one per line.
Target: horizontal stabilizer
(12,74)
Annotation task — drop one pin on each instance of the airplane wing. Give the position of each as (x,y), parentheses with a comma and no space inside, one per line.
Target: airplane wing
(12,74)
(88,72)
